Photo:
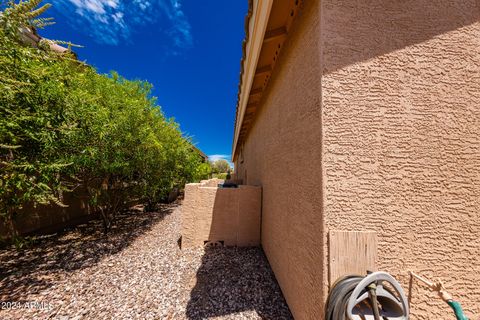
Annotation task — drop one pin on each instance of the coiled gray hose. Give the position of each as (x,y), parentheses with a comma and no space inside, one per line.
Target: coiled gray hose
(359,298)
(339,295)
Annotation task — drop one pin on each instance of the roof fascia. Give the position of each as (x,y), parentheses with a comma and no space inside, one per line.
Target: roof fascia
(258,27)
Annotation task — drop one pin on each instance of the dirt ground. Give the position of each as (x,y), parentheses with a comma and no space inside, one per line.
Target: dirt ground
(137,272)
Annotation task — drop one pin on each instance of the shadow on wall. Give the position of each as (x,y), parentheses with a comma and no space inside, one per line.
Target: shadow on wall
(235,217)
(34,269)
(47,219)
(231,280)
(226,216)
(377,27)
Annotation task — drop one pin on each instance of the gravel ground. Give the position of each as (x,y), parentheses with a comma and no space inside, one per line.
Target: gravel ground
(138,272)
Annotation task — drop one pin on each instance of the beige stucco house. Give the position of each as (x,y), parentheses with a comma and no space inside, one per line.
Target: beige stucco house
(364,116)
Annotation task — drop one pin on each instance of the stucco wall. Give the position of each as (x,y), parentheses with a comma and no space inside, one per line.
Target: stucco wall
(51,218)
(401,119)
(283,154)
(231,215)
(371,121)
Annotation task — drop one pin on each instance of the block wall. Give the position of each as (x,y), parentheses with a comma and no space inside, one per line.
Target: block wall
(230,215)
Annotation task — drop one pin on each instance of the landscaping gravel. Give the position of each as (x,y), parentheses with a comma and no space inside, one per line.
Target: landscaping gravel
(137,272)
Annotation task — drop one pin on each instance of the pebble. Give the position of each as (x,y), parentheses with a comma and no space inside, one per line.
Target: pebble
(138,272)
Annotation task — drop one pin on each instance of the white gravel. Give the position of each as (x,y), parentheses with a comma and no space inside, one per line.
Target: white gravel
(137,272)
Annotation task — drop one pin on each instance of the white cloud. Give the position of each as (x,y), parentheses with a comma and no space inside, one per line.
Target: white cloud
(113,21)
(118,17)
(112,3)
(215,157)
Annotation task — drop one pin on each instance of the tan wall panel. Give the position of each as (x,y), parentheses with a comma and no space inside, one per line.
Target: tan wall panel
(188,236)
(351,252)
(249,216)
(215,214)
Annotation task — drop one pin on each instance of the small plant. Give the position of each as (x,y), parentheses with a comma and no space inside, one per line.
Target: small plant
(23,242)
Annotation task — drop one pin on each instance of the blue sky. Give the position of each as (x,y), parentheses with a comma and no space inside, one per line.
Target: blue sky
(189,50)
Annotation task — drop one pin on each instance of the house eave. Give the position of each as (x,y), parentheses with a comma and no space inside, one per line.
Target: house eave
(266,28)
(257,25)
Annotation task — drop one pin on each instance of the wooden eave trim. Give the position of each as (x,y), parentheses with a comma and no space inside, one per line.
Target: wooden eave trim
(275,34)
(256,91)
(263,70)
(259,19)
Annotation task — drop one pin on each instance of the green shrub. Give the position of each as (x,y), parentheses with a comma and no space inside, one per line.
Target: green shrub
(204,171)
(220,176)
(63,125)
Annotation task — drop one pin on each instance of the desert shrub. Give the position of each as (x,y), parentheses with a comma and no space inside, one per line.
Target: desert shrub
(220,176)
(221,166)
(64,125)
(204,171)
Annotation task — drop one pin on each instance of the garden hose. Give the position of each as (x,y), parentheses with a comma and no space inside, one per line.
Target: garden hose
(442,292)
(339,295)
(372,295)
(356,297)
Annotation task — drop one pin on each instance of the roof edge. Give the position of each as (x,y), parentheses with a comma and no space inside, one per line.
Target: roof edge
(255,27)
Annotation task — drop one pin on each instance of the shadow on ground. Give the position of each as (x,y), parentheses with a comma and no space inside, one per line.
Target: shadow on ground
(34,269)
(233,280)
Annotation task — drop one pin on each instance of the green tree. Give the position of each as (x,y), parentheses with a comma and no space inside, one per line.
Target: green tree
(29,123)
(221,166)
(65,126)
(204,171)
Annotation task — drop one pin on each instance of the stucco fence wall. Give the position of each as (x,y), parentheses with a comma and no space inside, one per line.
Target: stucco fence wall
(227,216)
(50,218)
(44,219)
(371,122)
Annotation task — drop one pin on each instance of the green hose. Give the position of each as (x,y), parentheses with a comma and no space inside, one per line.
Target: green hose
(457,308)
